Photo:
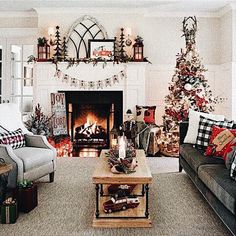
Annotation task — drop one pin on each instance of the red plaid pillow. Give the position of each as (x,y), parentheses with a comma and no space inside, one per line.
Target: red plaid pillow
(145,114)
(220,138)
(15,138)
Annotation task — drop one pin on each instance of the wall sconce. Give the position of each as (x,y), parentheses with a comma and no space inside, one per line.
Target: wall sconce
(128,32)
(51,32)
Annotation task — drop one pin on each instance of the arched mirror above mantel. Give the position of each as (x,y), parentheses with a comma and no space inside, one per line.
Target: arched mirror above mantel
(81,31)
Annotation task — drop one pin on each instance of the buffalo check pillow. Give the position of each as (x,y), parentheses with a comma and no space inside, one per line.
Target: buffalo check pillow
(233,168)
(14,138)
(205,130)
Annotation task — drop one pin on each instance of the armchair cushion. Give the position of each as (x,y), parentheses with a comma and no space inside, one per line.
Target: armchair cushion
(34,157)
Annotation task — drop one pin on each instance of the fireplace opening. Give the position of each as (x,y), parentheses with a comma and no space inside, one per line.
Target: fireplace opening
(91,124)
(91,115)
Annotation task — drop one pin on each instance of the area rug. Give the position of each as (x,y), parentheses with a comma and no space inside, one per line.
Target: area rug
(66,206)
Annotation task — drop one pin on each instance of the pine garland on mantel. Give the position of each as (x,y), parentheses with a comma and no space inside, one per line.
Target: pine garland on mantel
(76,62)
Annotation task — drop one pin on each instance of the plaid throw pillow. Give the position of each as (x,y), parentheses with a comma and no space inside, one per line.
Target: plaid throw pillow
(233,168)
(205,130)
(15,138)
(145,114)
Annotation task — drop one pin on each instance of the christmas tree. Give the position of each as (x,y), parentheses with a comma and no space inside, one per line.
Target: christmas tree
(58,50)
(64,49)
(122,46)
(188,89)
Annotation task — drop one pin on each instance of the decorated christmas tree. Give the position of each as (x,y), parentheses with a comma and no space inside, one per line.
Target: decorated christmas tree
(188,89)
(58,50)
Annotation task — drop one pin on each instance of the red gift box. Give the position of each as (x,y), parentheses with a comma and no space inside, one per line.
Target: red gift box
(27,198)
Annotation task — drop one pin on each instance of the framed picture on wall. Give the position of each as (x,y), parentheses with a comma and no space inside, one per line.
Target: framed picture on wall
(102,49)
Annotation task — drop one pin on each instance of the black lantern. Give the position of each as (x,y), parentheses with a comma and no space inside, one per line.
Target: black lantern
(43,49)
(138,49)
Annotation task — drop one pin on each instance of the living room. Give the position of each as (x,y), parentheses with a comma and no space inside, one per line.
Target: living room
(117,117)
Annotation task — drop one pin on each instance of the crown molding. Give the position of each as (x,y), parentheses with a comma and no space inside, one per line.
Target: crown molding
(144,11)
(87,10)
(226,9)
(181,14)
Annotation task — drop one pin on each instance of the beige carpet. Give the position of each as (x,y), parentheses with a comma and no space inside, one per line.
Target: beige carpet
(66,206)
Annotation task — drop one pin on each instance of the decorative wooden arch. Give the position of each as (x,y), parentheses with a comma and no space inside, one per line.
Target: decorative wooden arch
(81,31)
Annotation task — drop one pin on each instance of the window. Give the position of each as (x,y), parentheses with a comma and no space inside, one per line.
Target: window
(22,78)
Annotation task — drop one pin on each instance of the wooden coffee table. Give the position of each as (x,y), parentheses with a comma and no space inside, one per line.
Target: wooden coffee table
(5,168)
(103,177)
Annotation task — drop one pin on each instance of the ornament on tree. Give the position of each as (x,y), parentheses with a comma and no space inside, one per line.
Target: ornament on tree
(188,89)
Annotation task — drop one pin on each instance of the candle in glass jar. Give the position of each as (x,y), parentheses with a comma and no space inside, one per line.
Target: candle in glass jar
(113,143)
(122,147)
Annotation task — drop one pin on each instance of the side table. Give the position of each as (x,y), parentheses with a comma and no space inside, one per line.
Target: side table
(4,169)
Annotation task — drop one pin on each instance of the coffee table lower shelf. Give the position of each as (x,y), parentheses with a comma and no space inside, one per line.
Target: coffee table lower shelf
(132,217)
(121,223)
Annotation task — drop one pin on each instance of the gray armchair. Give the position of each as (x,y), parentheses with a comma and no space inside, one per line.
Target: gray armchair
(35,160)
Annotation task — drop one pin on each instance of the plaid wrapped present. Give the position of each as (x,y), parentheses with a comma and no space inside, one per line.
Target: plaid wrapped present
(9,212)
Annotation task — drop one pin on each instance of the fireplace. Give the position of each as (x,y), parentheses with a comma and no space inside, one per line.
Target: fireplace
(91,115)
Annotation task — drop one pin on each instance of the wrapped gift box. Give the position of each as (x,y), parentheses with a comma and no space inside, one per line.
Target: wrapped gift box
(27,198)
(9,212)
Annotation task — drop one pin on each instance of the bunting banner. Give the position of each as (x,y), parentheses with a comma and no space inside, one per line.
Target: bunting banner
(84,84)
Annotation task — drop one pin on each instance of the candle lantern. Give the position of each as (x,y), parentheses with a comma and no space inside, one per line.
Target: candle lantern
(138,49)
(113,137)
(43,49)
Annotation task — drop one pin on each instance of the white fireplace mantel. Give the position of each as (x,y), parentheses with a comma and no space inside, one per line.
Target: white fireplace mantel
(133,86)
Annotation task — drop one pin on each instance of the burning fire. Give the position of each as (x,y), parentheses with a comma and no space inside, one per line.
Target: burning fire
(91,127)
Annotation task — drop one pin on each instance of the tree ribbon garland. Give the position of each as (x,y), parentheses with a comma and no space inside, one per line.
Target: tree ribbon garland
(99,84)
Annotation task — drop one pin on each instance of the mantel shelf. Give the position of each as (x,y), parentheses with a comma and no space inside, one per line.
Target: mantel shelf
(142,63)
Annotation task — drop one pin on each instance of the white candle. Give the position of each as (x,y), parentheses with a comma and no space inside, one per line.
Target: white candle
(122,147)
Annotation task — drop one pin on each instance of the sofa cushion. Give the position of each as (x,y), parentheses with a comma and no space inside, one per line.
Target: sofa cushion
(145,114)
(217,179)
(194,118)
(195,157)
(205,130)
(34,157)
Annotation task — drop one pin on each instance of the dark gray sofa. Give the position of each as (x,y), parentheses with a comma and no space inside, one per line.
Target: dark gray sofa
(212,179)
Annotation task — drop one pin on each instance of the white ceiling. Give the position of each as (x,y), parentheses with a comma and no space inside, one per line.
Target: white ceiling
(210,6)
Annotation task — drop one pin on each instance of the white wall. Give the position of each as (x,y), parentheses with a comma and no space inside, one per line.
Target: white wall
(162,40)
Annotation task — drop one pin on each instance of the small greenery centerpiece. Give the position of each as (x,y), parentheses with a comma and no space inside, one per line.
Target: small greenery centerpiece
(25,184)
(119,165)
